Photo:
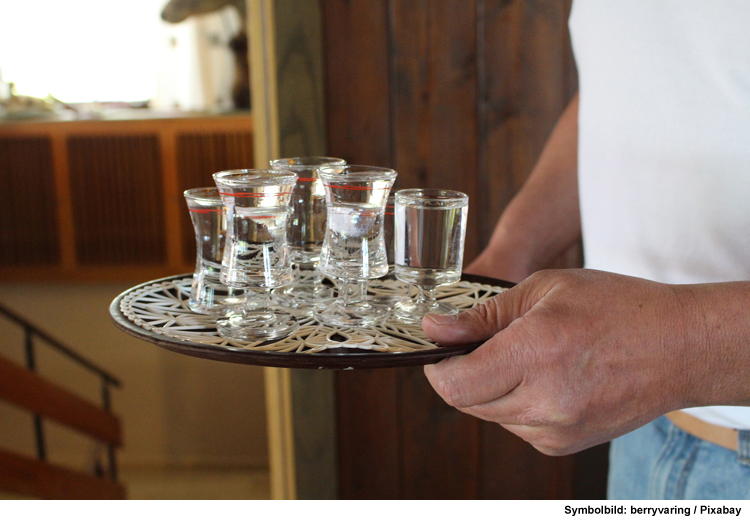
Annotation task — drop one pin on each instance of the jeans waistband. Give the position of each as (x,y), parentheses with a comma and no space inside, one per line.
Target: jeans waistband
(732,439)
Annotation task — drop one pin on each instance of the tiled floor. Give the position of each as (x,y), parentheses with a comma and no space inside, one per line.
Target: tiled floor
(196,484)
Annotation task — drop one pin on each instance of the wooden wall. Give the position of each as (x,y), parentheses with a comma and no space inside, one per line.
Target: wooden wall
(457,94)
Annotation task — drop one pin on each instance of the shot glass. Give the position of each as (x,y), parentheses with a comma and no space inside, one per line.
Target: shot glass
(430,227)
(354,247)
(306,233)
(207,294)
(256,256)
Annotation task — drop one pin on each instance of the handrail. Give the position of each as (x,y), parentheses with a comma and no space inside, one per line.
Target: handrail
(107,379)
(29,326)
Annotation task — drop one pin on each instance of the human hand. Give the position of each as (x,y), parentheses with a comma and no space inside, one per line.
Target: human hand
(573,358)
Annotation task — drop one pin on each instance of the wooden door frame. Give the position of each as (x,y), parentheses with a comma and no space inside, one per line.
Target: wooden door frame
(263,82)
(286,73)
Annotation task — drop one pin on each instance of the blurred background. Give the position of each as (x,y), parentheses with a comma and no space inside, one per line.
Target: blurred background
(102,59)
(109,111)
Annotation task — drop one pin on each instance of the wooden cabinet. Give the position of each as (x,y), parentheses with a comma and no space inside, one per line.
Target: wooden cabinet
(103,199)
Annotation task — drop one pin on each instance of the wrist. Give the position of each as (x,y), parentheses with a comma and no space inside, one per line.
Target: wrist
(715,333)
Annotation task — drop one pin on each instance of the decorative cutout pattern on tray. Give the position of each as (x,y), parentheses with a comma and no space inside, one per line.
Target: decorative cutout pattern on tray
(162,308)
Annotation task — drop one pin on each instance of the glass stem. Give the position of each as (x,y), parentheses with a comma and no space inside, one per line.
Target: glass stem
(426,295)
(257,299)
(296,273)
(312,277)
(352,291)
(317,278)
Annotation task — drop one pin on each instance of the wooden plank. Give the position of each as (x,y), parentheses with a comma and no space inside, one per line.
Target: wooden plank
(264,93)
(263,81)
(499,43)
(172,200)
(356,44)
(440,445)
(315,455)
(208,123)
(527,78)
(299,73)
(525,83)
(435,137)
(31,478)
(278,391)
(26,389)
(472,91)
(435,114)
(368,434)
(511,469)
(288,97)
(65,223)
(590,471)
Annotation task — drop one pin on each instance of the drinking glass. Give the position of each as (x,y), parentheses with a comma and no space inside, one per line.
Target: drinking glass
(256,256)
(354,247)
(207,294)
(430,227)
(306,233)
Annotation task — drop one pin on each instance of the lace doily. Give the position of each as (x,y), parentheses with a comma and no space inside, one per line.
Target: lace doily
(161,307)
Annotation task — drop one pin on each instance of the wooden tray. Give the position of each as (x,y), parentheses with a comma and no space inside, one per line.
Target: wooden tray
(158,312)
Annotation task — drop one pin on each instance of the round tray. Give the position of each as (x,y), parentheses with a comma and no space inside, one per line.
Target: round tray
(158,312)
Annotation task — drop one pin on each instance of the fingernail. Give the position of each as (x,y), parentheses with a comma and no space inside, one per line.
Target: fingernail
(443,319)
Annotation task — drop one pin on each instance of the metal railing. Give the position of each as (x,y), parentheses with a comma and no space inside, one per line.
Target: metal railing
(31,331)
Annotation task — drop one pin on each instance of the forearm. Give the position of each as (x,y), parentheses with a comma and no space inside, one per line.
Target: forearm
(543,219)
(716,345)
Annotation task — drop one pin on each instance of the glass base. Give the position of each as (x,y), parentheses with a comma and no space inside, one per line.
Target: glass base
(301,296)
(380,293)
(356,315)
(254,325)
(218,308)
(209,297)
(412,312)
(388,300)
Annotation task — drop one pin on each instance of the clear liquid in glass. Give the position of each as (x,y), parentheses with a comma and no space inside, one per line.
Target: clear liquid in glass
(207,294)
(255,253)
(259,256)
(354,250)
(355,247)
(428,252)
(430,227)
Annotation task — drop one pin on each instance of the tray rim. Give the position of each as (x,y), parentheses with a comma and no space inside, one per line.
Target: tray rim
(340,358)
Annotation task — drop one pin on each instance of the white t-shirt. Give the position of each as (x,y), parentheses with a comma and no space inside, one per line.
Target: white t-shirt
(664,143)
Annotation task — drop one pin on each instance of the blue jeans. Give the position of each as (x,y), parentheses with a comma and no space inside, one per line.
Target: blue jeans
(661,461)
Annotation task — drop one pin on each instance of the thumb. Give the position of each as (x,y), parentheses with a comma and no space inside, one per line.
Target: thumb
(483,321)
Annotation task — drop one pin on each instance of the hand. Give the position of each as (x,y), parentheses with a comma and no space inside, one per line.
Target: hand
(573,358)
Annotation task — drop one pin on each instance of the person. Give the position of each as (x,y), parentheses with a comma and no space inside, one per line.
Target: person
(650,166)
